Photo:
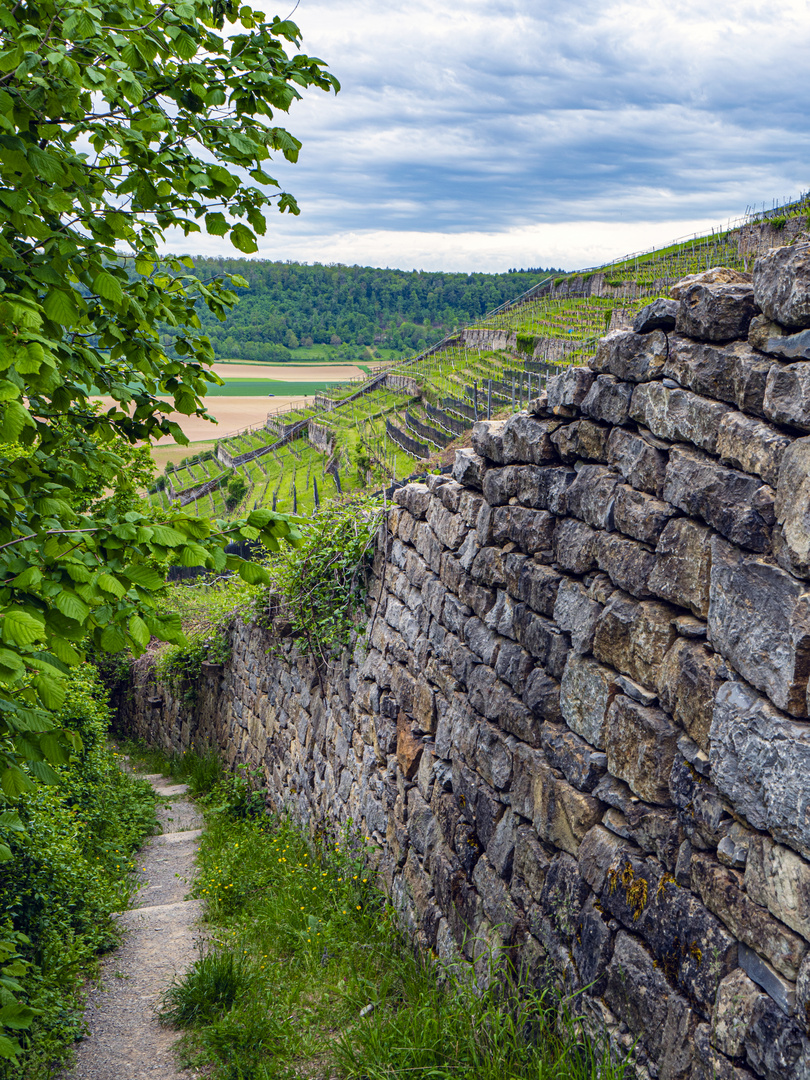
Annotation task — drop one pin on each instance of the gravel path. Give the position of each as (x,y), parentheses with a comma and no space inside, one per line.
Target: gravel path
(125,1041)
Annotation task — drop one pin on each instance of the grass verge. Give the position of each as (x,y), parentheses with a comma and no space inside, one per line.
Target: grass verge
(305,972)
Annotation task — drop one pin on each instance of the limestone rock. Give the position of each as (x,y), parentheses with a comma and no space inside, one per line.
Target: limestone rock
(582,440)
(627,563)
(775,1046)
(752,446)
(586,692)
(631,356)
(659,315)
(715,312)
(769,337)
(639,515)
(792,509)
(530,861)
(608,400)
(634,637)
(739,506)
(599,850)
(688,680)
(487,440)
(678,415)
(580,764)
(576,614)
(570,388)
(710,1064)
(733,372)
(782,285)
(641,744)
(525,439)
(562,815)
(537,585)
(721,890)
(590,496)
(574,546)
(760,760)
(682,565)
(640,458)
(409,747)
(415,498)
(469,469)
(532,530)
(787,395)
(779,879)
(717,275)
(759,620)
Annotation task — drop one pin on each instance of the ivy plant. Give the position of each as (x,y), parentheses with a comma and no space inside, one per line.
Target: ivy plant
(119,121)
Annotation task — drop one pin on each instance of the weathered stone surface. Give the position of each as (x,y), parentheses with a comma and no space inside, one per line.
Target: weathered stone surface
(787,395)
(577,614)
(415,498)
(752,446)
(690,675)
(736,997)
(486,438)
(526,439)
(537,585)
(641,744)
(771,338)
(586,692)
(590,496)
(580,764)
(739,506)
(759,620)
(637,992)
(530,861)
(633,637)
(782,285)
(637,514)
(570,388)
(641,459)
(409,747)
(779,879)
(532,530)
(654,829)
(716,275)
(627,563)
(583,439)
(678,415)
(710,1064)
(562,815)
(542,639)
(448,527)
(721,890)
(542,697)
(608,400)
(716,312)
(683,565)
(775,1046)
(574,546)
(632,356)
(599,850)
(760,761)
(469,469)
(659,315)
(792,509)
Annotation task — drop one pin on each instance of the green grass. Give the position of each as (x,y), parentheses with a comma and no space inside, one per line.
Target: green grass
(263,387)
(307,974)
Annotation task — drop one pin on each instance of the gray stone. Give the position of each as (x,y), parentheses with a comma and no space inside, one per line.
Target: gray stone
(739,506)
(637,514)
(608,400)
(683,565)
(634,637)
(415,498)
(710,1064)
(577,614)
(775,1046)
(759,620)
(530,860)
(487,441)
(636,691)
(792,509)
(716,275)
(787,395)
(580,764)
(448,527)
(731,1017)
(599,849)
(537,585)
(570,388)
(721,372)
(716,312)
(781,990)
(532,530)
(760,761)
(525,439)
(641,744)
(627,563)
(688,680)
(632,356)
(752,446)
(659,315)
(582,440)
(782,285)
(586,692)
(469,469)
(562,815)
(640,458)
(769,337)
(678,415)
(590,496)
(779,879)
(574,546)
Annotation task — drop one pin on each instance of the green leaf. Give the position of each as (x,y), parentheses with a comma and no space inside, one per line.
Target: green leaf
(51,692)
(243,239)
(110,584)
(253,574)
(13,418)
(53,747)
(112,638)
(44,773)
(166,536)
(70,605)
(9,1048)
(60,306)
(21,627)
(107,287)
(216,224)
(139,631)
(14,782)
(144,576)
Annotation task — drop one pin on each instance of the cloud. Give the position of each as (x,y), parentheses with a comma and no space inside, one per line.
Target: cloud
(462,131)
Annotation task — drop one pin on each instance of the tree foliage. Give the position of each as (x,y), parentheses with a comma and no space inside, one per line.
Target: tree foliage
(118,121)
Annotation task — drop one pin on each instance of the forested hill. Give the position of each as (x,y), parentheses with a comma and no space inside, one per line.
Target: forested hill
(288,305)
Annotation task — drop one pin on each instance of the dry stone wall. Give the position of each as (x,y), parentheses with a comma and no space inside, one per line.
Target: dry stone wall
(578,726)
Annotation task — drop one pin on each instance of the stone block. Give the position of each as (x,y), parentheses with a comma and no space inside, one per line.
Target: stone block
(580,764)
(779,879)
(598,851)
(486,440)
(787,395)
(542,487)
(751,445)
(639,458)
(736,997)
(633,637)
(716,275)
(449,528)
(639,515)
(627,563)
(514,665)
(527,440)
(678,415)
(592,945)
(771,338)
(659,315)
(569,389)
(469,469)
(542,639)
(537,586)
(590,496)
(530,861)
(721,890)
(690,675)
(608,400)
(683,566)
(716,312)
(760,760)
(759,620)
(562,815)
(641,744)
(574,546)
(775,1046)
(739,506)
(627,354)
(582,440)
(415,498)
(782,285)
(710,1064)
(487,567)
(792,509)
(542,697)
(576,614)
(531,530)
(409,747)
(495,898)
(586,692)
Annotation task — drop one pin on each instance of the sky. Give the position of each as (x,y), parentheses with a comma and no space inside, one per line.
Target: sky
(493,134)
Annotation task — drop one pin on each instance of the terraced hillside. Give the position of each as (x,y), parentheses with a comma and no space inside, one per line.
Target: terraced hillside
(380,430)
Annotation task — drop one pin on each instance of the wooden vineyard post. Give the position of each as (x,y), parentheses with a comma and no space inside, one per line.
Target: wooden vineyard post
(489,400)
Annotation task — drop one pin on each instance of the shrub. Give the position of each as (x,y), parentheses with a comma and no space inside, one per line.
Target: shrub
(237,486)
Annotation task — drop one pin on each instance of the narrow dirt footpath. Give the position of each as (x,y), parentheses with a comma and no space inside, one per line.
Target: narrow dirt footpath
(126,1042)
